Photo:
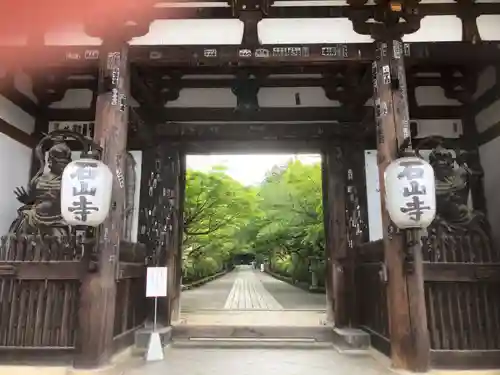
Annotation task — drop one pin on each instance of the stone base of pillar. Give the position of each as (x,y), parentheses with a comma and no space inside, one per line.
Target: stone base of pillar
(352,338)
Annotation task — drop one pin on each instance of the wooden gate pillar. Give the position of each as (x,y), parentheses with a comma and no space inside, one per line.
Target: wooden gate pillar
(356,221)
(98,293)
(406,302)
(160,220)
(336,236)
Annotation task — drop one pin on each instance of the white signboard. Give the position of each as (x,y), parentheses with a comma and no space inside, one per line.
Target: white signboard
(156,282)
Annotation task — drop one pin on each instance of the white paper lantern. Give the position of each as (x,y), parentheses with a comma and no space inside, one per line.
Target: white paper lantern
(86,192)
(410,192)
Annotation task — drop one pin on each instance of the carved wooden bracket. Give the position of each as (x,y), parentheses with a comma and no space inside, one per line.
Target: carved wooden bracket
(393,18)
(153,92)
(125,26)
(468,14)
(246,90)
(459,84)
(51,87)
(351,88)
(250,12)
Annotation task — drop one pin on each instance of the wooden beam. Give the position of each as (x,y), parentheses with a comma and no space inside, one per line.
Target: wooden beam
(408,326)
(275,81)
(258,131)
(489,134)
(17,134)
(488,98)
(9,90)
(321,11)
(55,270)
(442,53)
(98,291)
(430,77)
(251,146)
(461,272)
(264,114)
(127,270)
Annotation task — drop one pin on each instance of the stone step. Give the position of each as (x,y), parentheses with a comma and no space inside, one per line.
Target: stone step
(344,340)
(250,343)
(317,334)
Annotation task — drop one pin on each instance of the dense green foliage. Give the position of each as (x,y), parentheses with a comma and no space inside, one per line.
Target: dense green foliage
(280,221)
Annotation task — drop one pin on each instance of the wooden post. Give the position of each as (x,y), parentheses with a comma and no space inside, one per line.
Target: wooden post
(173,259)
(405,293)
(328,240)
(356,219)
(98,292)
(336,244)
(159,221)
(177,263)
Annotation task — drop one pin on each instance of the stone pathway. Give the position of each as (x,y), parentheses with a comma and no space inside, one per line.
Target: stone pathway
(249,289)
(248,293)
(250,297)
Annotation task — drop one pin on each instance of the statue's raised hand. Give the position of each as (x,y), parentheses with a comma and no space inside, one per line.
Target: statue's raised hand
(22,195)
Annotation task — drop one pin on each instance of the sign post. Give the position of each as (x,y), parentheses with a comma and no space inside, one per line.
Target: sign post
(156,286)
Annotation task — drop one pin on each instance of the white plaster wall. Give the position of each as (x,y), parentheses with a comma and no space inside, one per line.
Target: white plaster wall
(15,162)
(489,155)
(11,113)
(490,115)
(15,158)
(375,227)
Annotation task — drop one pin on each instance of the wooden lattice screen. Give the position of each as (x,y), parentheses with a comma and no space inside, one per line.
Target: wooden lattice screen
(39,293)
(462,290)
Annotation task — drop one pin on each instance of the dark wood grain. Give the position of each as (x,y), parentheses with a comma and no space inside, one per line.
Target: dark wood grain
(99,289)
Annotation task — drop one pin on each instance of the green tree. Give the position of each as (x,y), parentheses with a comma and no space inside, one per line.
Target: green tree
(216,208)
(289,231)
(281,221)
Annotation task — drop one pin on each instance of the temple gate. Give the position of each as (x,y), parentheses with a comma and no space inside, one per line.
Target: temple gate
(427,302)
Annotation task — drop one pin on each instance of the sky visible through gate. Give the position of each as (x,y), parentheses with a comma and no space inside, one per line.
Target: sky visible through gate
(247,169)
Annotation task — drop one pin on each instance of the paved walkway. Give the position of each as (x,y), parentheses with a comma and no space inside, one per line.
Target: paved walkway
(250,297)
(249,289)
(246,297)
(248,292)
(180,361)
